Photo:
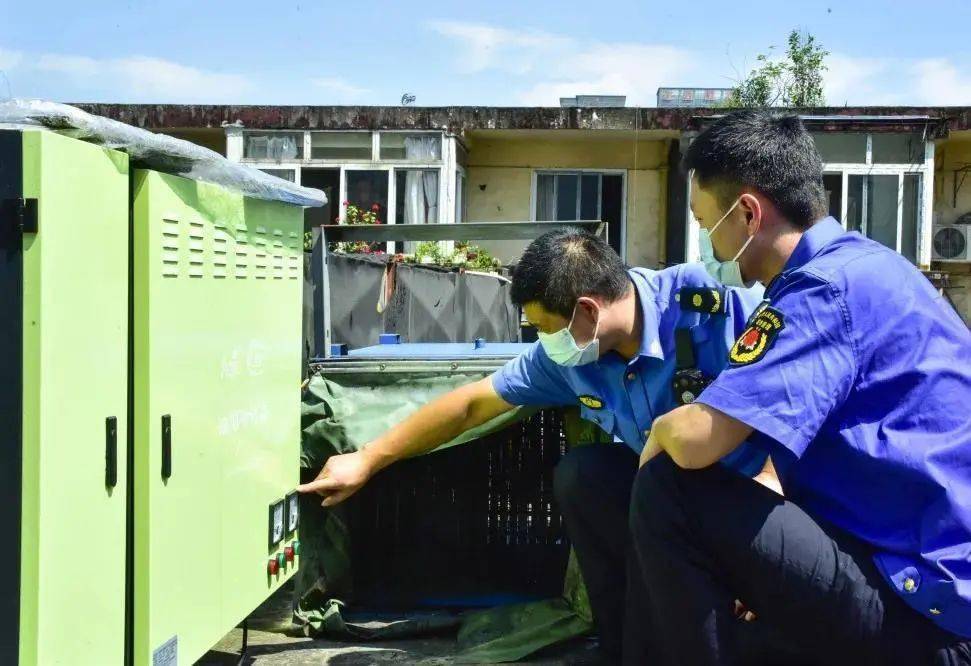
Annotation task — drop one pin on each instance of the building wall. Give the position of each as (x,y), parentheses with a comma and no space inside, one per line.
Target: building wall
(500,182)
(499,194)
(950,155)
(213,138)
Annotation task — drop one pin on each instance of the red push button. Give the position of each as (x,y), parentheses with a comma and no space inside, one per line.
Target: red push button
(288,552)
(273,566)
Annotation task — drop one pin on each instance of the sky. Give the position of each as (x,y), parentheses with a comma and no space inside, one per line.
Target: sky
(496,53)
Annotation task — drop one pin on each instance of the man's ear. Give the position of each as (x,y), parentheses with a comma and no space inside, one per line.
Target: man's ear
(590,304)
(753,210)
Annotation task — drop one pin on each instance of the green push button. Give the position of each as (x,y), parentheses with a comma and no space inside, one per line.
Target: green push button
(281,560)
(296,547)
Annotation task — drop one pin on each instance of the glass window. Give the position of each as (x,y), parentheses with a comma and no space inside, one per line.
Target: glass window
(841,147)
(368,190)
(285,174)
(563,197)
(833,183)
(881,218)
(279,146)
(415,147)
(416,194)
(911,208)
(871,207)
(566,197)
(897,149)
(340,146)
(545,201)
(590,197)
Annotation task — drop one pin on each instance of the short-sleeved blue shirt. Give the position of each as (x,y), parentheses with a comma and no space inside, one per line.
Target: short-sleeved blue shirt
(858,376)
(624,397)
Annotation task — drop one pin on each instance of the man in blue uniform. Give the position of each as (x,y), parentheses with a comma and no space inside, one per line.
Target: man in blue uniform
(856,376)
(623,345)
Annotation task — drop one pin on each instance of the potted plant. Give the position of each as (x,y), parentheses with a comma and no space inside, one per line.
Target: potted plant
(357,215)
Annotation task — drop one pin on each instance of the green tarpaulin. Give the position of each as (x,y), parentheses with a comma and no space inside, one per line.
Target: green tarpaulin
(340,414)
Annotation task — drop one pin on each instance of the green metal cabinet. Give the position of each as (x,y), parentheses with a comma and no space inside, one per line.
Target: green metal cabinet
(174,305)
(63,399)
(217,331)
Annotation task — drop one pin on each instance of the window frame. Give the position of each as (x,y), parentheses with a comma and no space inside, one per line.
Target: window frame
(375,157)
(534,194)
(377,148)
(308,147)
(267,160)
(925,173)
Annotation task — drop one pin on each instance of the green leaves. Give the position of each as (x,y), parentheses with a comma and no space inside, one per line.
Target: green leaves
(793,81)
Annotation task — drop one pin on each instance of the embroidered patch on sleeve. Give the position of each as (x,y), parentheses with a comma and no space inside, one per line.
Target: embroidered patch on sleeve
(758,336)
(591,401)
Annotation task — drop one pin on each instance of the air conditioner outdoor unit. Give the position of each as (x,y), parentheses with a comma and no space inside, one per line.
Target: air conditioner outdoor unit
(952,242)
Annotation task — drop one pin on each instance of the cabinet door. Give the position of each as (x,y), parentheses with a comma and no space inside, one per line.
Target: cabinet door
(72,362)
(218,289)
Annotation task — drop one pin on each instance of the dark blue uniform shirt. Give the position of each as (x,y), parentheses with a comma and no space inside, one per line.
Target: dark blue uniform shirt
(624,397)
(858,375)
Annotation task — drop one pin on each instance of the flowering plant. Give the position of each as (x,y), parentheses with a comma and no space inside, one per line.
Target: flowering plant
(354,214)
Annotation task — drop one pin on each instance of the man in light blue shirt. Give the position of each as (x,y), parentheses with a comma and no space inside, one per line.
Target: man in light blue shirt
(626,346)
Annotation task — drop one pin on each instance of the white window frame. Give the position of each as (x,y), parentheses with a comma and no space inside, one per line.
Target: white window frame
(534,194)
(331,161)
(447,166)
(236,147)
(443,146)
(925,195)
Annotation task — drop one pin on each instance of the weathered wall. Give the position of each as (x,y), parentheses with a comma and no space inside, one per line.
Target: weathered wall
(499,194)
(950,155)
(500,182)
(960,290)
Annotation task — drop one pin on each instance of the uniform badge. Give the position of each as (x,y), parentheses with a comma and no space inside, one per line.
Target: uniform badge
(758,336)
(701,299)
(592,402)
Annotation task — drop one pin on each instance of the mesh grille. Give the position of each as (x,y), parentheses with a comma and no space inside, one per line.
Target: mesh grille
(464,526)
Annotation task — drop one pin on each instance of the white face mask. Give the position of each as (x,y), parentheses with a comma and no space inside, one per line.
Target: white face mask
(729,273)
(562,347)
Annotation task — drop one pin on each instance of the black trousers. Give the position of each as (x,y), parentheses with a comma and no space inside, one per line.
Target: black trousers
(592,485)
(704,538)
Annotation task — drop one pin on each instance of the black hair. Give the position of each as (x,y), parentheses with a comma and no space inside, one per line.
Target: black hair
(765,150)
(562,265)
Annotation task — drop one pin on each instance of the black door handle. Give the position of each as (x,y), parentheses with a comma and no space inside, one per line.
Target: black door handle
(111,451)
(166,446)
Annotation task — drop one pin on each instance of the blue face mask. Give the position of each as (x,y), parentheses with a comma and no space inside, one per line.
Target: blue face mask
(729,273)
(562,347)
